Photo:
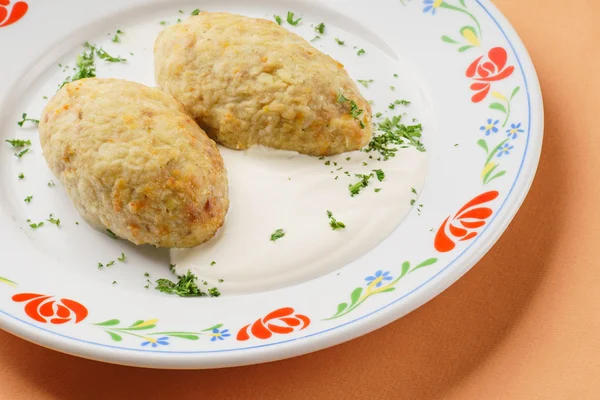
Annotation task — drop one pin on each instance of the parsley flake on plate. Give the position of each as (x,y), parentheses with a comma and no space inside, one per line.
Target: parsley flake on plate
(195,12)
(365,83)
(278,234)
(335,224)
(392,134)
(340,42)
(51,184)
(28,199)
(355,112)
(278,19)
(290,19)
(380,174)
(361,52)
(110,264)
(25,119)
(21,154)
(320,28)
(18,143)
(358,186)
(122,258)
(21,175)
(111,234)
(38,225)
(185,287)
(53,220)
(212,263)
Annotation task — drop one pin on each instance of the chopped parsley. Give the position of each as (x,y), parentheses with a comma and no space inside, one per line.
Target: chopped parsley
(221,280)
(365,83)
(213,263)
(111,234)
(53,220)
(412,202)
(290,19)
(178,20)
(180,11)
(278,234)
(28,199)
(196,11)
(163,22)
(355,112)
(278,19)
(412,189)
(100,265)
(380,174)
(146,275)
(117,38)
(21,154)
(172,268)
(18,142)
(51,184)
(395,75)
(38,225)
(327,162)
(392,88)
(25,119)
(315,38)
(107,57)
(391,134)
(21,175)
(84,63)
(358,186)
(45,97)
(320,28)
(340,42)
(148,284)
(398,102)
(114,282)
(361,52)
(122,258)
(348,159)
(185,287)
(335,224)
(377,190)
(110,264)
(378,115)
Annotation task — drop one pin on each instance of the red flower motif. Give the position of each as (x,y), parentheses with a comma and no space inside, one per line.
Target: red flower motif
(470,217)
(281,321)
(17,12)
(483,72)
(42,309)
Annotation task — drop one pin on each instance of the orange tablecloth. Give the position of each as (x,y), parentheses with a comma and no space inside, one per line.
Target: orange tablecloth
(523,324)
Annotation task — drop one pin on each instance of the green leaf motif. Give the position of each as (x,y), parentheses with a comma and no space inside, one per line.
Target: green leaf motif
(391,289)
(462,3)
(139,328)
(425,263)
(448,39)
(181,335)
(514,92)
(341,308)
(498,106)
(114,336)
(110,322)
(498,175)
(464,48)
(486,177)
(138,322)
(355,295)
(217,326)
(405,268)
(483,144)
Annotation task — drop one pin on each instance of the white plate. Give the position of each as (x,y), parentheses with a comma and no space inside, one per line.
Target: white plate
(472,85)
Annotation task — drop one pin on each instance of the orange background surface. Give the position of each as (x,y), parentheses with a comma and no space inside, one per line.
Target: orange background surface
(522,324)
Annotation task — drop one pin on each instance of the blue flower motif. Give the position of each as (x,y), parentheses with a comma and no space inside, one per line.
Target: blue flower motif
(385,276)
(163,341)
(220,335)
(514,130)
(490,127)
(505,150)
(431,5)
